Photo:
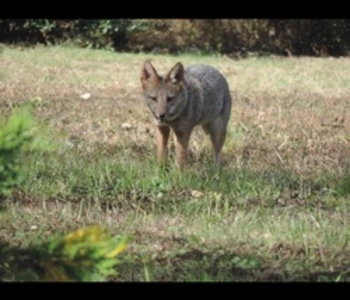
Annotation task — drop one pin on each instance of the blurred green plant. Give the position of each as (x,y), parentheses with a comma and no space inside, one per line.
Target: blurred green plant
(87,254)
(15,135)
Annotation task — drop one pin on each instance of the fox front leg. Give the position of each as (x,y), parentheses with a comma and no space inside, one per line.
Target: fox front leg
(162,141)
(181,146)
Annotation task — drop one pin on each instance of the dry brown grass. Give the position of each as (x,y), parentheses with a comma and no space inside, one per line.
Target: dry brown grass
(288,112)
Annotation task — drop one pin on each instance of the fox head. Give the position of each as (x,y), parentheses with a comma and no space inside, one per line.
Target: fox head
(165,96)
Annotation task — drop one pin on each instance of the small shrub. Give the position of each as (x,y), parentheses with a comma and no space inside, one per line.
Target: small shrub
(15,135)
(87,254)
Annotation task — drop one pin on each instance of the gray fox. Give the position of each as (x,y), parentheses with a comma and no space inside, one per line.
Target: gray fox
(184,99)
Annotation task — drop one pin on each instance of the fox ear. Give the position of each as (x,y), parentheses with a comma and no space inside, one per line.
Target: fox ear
(176,74)
(148,73)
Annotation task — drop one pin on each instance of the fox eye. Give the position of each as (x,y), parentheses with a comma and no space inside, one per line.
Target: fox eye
(169,99)
(154,99)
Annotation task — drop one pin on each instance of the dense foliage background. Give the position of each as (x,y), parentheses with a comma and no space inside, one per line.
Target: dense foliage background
(319,37)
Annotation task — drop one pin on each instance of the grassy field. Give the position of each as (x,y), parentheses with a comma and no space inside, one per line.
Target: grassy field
(277,210)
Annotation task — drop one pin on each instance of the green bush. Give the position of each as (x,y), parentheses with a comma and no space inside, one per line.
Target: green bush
(15,135)
(94,33)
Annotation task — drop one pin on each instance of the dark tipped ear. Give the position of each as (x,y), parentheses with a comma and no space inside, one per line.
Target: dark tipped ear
(176,74)
(148,73)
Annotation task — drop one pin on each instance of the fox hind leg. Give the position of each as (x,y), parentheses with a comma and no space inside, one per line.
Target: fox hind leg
(217,132)
(217,128)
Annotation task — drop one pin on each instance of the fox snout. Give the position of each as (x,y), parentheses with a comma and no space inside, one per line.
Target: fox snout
(161,110)
(161,117)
